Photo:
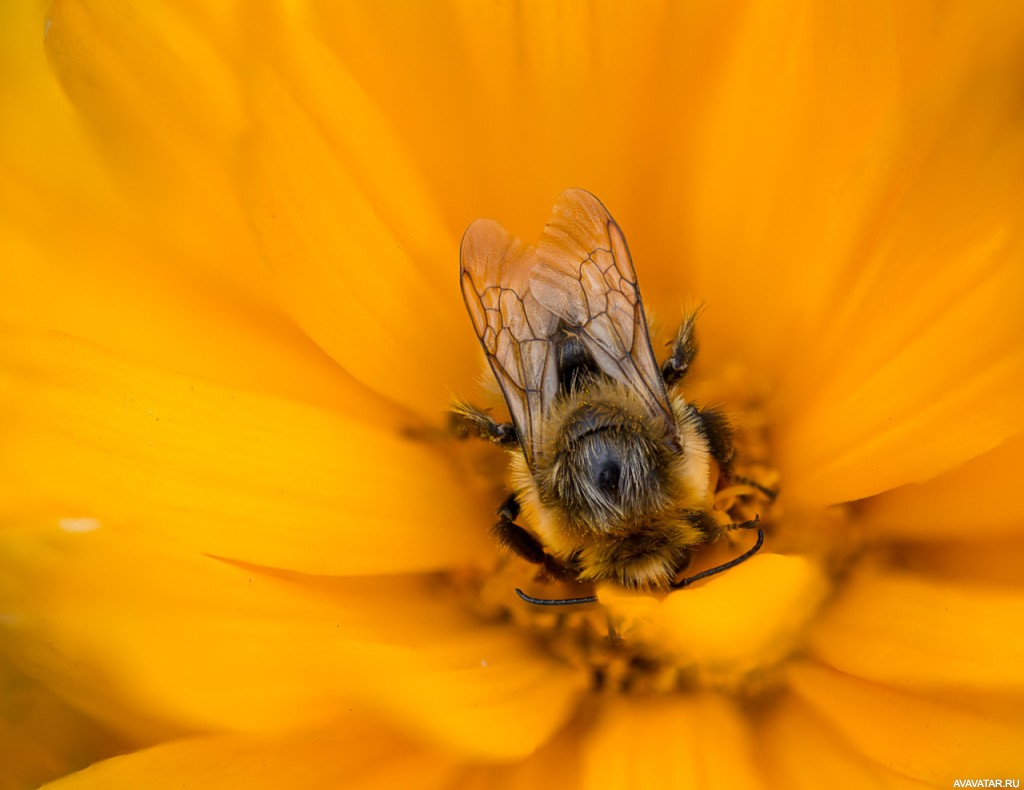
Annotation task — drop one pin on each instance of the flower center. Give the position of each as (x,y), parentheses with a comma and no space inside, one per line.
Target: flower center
(732,631)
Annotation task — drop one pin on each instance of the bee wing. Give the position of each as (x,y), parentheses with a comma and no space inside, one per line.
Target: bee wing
(514,329)
(584,276)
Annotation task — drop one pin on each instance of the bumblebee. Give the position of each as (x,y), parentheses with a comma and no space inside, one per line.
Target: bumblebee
(611,469)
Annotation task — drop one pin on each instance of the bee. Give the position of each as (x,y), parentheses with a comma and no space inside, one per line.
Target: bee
(611,469)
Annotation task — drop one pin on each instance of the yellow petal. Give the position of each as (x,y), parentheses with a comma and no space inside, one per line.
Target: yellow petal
(124,294)
(41,737)
(230,472)
(914,633)
(296,66)
(45,158)
(702,741)
(356,754)
(156,82)
(146,635)
(924,739)
(556,763)
(972,501)
(23,22)
(114,274)
(749,617)
(362,279)
(803,752)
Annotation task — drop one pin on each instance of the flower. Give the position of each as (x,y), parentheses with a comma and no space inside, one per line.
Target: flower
(232,552)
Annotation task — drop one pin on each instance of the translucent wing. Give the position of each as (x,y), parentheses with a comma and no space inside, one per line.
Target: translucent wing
(585,277)
(514,329)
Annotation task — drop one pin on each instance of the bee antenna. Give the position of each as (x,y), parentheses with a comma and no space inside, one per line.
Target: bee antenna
(724,566)
(556,601)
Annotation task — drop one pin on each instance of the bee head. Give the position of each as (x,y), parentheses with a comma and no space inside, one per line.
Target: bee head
(609,465)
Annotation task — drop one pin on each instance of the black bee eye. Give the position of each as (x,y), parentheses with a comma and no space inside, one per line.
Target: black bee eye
(608,477)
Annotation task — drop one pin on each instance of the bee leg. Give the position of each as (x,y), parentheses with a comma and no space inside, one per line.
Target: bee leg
(513,537)
(464,420)
(520,542)
(769,493)
(716,429)
(684,350)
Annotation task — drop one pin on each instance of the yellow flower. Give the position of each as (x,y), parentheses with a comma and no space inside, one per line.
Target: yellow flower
(231,553)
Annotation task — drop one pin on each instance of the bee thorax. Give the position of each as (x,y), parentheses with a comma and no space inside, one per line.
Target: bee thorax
(607,469)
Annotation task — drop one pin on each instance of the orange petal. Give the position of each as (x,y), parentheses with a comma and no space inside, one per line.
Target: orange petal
(484,94)
(994,563)
(147,636)
(157,84)
(702,741)
(747,618)
(969,502)
(914,633)
(366,281)
(803,752)
(871,261)
(134,73)
(354,755)
(41,737)
(775,229)
(920,410)
(924,739)
(911,352)
(230,472)
(765,176)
